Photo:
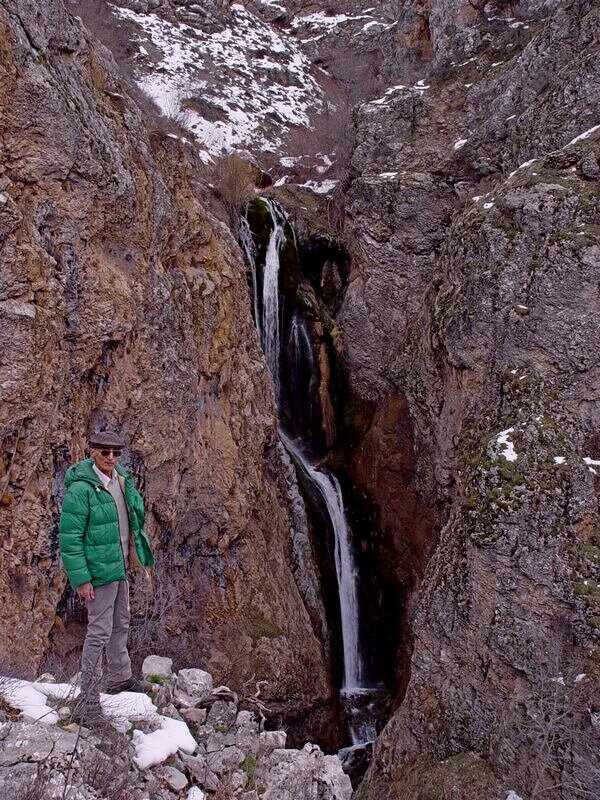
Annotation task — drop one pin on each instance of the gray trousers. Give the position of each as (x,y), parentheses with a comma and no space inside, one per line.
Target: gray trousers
(107,631)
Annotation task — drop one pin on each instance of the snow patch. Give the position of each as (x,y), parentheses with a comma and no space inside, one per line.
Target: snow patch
(154,748)
(584,135)
(524,165)
(324,187)
(460,143)
(322,20)
(30,697)
(509,452)
(559,459)
(249,104)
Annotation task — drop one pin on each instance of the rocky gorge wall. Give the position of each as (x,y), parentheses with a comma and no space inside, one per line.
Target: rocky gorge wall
(473,294)
(124,304)
(458,335)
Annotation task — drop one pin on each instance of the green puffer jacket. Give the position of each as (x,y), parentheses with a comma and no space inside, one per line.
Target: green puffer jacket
(90,543)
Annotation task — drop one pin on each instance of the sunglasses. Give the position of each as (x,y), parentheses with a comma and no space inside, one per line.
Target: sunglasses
(106,453)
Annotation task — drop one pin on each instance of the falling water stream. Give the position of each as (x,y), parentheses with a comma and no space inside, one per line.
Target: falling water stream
(267,311)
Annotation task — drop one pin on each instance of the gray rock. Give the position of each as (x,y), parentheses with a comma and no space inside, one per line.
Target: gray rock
(271,740)
(171,711)
(174,778)
(246,719)
(157,665)
(35,742)
(225,760)
(196,766)
(222,713)
(192,685)
(247,740)
(302,775)
(195,715)
(217,741)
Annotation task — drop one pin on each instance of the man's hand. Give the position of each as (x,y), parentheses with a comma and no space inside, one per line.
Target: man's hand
(85,591)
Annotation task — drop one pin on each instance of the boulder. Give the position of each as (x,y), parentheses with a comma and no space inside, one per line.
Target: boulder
(196,766)
(302,775)
(222,713)
(246,719)
(157,665)
(192,685)
(174,778)
(225,760)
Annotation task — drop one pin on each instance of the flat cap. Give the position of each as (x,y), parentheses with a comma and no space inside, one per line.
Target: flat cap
(105,439)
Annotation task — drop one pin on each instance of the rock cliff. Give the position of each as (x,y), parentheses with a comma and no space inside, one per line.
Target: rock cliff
(447,222)
(124,304)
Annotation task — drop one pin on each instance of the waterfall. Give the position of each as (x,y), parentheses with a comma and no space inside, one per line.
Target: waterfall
(345,565)
(266,296)
(269,322)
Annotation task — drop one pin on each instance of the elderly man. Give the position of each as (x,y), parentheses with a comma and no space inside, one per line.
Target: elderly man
(101,535)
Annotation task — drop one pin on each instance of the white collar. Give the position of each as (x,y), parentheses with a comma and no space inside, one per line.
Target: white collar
(104,478)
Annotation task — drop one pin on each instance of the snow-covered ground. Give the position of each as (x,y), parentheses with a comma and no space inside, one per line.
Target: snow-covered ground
(240,88)
(123,710)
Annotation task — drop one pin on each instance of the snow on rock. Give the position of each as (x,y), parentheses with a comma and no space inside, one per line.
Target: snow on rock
(325,187)
(508,451)
(460,143)
(559,459)
(30,697)
(513,796)
(155,747)
(320,19)
(121,709)
(584,135)
(265,82)
(212,759)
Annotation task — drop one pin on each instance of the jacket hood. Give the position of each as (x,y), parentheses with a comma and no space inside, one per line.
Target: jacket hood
(83,471)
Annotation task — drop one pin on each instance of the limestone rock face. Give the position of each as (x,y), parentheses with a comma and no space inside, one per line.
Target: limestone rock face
(475,210)
(124,304)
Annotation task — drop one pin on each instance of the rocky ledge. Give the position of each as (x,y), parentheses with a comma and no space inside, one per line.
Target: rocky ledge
(183,738)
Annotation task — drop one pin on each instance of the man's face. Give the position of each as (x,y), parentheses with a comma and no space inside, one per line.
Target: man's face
(105,458)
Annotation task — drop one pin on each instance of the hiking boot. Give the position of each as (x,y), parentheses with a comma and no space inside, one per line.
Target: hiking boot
(130,684)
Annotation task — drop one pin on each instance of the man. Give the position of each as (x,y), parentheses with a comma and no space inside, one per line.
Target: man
(101,535)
